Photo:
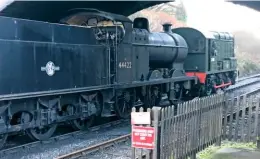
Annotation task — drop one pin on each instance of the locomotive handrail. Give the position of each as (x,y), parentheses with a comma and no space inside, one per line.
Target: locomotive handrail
(169,46)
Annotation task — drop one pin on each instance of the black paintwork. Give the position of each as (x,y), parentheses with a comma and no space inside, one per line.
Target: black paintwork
(26,46)
(90,75)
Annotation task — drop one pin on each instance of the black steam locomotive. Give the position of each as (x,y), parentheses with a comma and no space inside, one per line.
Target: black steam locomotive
(96,64)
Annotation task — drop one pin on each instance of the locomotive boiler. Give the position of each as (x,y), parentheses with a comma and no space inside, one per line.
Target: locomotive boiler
(97,64)
(174,52)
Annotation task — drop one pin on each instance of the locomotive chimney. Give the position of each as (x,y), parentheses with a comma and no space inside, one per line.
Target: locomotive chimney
(167,27)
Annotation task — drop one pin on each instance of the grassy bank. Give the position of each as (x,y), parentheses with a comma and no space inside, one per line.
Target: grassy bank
(210,151)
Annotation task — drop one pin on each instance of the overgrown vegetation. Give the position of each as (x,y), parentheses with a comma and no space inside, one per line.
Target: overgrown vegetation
(160,14)
(247,52)
(209,152)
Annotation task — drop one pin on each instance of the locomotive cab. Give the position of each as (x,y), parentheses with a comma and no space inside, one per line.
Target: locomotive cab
(106,27)
(112,31)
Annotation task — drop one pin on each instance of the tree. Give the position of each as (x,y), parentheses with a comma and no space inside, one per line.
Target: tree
(157,19)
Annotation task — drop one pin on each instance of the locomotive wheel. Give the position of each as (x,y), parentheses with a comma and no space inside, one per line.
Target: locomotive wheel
(155,97)
(42,133)
(84,124)
(3,137)
(124,105)
(37,133)
(219,91)
(178,95)
(209,90)
(79,124)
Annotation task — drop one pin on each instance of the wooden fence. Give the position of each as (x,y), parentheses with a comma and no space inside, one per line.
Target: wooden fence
(196,125)
(243,124)
(182,131)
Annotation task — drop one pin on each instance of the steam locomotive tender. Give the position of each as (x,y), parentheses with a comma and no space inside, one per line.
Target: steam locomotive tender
(74,72)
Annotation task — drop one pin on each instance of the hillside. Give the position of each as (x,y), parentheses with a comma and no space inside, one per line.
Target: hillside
(247,48)
(157,15)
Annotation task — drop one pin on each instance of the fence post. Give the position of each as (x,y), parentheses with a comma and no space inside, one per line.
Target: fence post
(193,155)
(256,125)
(156,118)
(221,101)
(133,149)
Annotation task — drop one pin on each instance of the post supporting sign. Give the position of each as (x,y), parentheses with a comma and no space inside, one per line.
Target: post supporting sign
(143,137)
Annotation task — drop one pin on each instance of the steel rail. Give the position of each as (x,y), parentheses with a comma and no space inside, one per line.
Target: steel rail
(109,143)
(94,148)
(248,77)
(61,137)
(241,86)
(111,124)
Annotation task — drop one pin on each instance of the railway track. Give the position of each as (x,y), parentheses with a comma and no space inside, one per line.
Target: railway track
(245,82)
(80,154)
(121,138)
(97,147)
(254,93)
(248,77)
(28,146)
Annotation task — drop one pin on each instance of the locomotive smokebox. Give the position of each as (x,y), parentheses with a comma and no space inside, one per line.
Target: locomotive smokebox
(167,49)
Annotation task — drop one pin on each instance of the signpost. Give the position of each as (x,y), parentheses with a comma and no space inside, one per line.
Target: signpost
(143,137)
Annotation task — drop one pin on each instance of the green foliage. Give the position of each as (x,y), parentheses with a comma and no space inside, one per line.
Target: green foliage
(247,52)
(209,152)
(181,13)
(247,66)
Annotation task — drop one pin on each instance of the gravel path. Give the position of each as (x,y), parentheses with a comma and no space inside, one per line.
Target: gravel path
(55,149)
(119,151)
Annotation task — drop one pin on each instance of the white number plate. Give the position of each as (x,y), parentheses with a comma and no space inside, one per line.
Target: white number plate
(125,65)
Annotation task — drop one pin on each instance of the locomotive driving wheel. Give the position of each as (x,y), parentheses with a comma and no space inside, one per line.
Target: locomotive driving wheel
(86,123)
(219,91)
(3,137)
(78,124)
(43,133)
(178,95)
(124,105)
(38,133)
(154,97)
(209,88)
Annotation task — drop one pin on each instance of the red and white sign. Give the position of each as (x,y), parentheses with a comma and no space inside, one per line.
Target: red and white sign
(143,137)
